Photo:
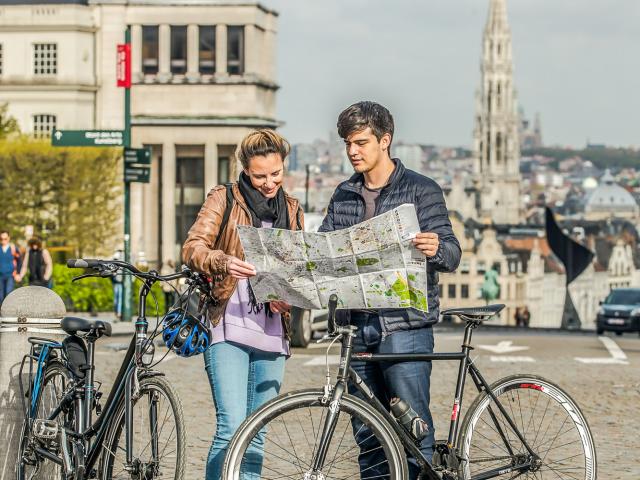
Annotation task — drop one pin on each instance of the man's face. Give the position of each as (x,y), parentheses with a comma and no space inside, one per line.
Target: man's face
(4,239)
(266,173)
(364,150)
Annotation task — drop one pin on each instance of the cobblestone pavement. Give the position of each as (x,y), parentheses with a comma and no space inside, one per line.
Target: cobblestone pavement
(607,393)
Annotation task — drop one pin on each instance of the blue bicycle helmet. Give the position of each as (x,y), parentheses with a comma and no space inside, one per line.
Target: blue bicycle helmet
(185,334)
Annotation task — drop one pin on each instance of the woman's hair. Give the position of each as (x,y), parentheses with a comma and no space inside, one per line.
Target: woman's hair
(261,143)
(35,242)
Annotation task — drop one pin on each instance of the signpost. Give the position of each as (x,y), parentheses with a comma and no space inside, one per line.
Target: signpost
(137,165)
(87,138)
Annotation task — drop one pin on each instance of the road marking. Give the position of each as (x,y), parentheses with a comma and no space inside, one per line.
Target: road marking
(506,346)
(617,357)
(320,360)
(510,358)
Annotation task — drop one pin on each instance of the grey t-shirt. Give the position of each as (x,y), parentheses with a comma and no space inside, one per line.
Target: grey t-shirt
(370,196)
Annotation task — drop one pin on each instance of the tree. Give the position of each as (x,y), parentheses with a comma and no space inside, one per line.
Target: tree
(8,124)
(70,195)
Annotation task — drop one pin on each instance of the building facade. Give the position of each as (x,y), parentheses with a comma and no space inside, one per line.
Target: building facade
(203,76)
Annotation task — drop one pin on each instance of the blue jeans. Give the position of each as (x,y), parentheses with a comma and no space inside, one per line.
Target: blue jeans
(118,291)
(409,380)
(242,379)
(6,286)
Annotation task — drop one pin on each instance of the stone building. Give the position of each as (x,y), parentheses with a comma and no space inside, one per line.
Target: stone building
(203,76)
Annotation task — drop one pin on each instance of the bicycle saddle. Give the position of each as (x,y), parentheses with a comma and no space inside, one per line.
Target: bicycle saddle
(477,314)
(72,325)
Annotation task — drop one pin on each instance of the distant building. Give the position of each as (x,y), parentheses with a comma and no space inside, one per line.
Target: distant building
(203,77)
(411,155)
(610,200)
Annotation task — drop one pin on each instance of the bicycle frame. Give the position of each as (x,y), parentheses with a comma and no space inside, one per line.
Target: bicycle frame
(90,436)
(346,374)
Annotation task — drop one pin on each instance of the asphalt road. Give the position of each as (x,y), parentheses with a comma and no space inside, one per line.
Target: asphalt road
(600,373)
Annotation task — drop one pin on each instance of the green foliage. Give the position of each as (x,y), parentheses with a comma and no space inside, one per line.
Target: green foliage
(156,291)
(70,195)
(600,157)
(8,124)
(86,295)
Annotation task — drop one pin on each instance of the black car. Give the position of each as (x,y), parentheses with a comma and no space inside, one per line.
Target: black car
(620,311)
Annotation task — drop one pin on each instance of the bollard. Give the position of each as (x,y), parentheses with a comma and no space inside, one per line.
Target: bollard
(25,312)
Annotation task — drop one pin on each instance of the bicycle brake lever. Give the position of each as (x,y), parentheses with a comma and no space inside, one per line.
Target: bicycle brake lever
(84,275)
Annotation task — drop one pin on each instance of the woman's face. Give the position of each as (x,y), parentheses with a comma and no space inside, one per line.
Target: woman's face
(266,173)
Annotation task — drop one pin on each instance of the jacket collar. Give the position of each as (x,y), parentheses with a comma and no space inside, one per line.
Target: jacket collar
(356,181)
(292,202)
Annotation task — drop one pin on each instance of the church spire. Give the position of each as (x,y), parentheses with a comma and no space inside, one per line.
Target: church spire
(496,142)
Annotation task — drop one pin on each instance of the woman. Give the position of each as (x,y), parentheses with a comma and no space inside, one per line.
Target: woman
(39,264)
(245,362)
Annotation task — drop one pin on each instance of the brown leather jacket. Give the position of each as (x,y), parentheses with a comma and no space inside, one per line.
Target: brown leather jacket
(204,252)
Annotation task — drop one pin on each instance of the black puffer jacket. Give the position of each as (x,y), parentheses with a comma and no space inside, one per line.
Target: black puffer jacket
(405,186)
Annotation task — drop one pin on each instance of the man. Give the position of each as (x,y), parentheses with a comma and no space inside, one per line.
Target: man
(38,263)
(380,184)
(9,258)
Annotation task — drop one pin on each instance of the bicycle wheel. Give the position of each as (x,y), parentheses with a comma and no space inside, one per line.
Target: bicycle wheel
(158,436)
(29,464)
(285,433)
(550,421)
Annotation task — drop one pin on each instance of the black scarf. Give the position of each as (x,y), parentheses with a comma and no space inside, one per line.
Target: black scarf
(263,209)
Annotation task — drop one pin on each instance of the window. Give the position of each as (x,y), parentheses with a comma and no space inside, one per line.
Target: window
(465,266)
(43,124)
(481,267)
(207,50)
(226,154)
(235,50)
(464,291)
(451,291)
(0,59)
(45,58)
(178,50)
(440,290)
(189,188)
(150,49)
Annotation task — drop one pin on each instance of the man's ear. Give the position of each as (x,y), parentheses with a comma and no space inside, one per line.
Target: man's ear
(385,141)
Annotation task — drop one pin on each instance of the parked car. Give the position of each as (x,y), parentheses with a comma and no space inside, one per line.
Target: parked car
(305,322)
(620,312)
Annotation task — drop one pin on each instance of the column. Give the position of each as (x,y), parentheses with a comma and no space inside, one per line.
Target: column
(136,53)
(193,44)
(164,47)
(221,50)
(137,216)
(251,50)
(210,166)
(168,182)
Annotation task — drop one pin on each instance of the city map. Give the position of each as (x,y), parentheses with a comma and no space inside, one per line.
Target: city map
(370,265)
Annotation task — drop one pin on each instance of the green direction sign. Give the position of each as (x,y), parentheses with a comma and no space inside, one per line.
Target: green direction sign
(141,156)
(137,165)
(87,138)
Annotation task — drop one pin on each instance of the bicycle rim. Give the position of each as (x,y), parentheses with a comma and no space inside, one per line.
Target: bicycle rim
(32,466)
(158,446)
(286,431)
(550,421)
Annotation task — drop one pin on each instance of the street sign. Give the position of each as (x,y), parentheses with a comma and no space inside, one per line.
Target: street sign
(123,65)
(87,138)
(140,156)
(137,165)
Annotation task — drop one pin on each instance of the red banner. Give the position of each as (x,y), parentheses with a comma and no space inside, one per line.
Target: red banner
(123,65)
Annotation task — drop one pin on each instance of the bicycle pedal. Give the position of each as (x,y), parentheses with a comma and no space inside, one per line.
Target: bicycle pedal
(45,429)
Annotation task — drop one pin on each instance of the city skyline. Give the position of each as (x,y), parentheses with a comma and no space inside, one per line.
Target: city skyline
(573,62)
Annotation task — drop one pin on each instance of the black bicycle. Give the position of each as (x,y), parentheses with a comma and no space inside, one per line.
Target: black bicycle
(139,433)
(520,426)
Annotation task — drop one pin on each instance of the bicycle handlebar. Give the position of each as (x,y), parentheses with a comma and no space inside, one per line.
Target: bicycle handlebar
(110,264)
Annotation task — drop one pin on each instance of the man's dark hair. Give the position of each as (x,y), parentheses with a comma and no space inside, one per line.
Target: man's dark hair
(361,115)
(4,232)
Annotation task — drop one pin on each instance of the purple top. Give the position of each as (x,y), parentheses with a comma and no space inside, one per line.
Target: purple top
(257,330)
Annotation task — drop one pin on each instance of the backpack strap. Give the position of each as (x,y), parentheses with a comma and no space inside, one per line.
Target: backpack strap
(227,211)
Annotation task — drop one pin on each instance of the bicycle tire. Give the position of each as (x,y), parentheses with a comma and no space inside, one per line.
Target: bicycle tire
(571,450)
(113,454)
(49,399)
(275,410)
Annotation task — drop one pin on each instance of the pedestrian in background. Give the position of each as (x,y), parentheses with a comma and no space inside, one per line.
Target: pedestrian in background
(245,362)
(37,264)
(168,288)
(117,283)
(9,264)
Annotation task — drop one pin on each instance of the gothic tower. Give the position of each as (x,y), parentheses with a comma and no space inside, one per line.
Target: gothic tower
(496,142)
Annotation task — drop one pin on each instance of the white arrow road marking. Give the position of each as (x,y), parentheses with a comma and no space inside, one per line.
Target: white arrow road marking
(510,358)
(617,357)
(503,347)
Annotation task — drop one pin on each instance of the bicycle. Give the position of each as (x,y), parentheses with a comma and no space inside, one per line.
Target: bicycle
(519,426)
(138,434)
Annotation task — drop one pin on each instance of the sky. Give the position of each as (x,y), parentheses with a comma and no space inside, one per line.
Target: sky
(576,62)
